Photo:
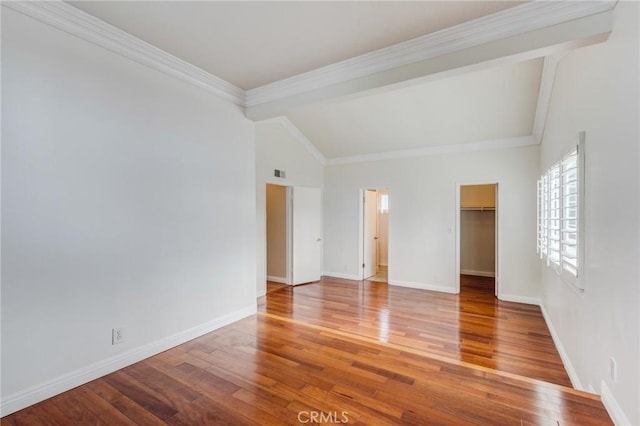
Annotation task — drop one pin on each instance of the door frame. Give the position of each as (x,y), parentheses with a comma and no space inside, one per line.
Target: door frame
(361,193)
(498,234)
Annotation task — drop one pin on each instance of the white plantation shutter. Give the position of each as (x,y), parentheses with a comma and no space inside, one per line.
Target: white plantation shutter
(543,219)
(560,203)
(570,200)
(554,215)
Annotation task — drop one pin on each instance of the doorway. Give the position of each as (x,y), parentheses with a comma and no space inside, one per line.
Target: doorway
(477,238)
(375,235)
(278,234)
(293,234)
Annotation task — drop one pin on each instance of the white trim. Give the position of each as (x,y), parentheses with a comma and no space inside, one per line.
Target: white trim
(277,279)
(547,80)
(612,406)
(22,399)
(437,149)
(507,23)
(89,28)
(478,273)
(566,361)
(423,286)
(340,275)
(298,135)
(519,299)
(501,25)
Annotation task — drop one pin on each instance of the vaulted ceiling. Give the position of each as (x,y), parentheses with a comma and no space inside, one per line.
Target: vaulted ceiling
(251,44)
(356,79)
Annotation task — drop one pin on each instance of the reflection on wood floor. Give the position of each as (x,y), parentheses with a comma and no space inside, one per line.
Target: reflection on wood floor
(352,352)
(473,326)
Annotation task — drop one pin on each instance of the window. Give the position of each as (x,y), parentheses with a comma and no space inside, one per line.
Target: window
(560,197)
(384,203)
(569,228)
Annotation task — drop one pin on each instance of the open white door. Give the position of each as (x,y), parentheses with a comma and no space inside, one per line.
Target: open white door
(306,236)
(370,231)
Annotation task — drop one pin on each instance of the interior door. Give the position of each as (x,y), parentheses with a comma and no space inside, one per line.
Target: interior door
(306,256)
(370,230)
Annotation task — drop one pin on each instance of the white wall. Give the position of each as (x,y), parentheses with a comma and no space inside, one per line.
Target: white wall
(276,148)
(128,200)
(596,90)
(422,209)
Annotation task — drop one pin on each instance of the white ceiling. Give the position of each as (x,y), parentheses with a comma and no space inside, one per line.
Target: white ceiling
(254,44)
(494,103)
(251,44)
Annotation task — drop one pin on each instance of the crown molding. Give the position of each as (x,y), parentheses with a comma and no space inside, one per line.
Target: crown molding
(89,28)
(298,135)
(509,22)
(436,150)
(547,80)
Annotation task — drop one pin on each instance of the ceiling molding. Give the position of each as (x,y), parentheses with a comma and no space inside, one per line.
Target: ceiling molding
(513,21)
(436,150)
(80,24)
(509,22)
(544,95)
(297,135)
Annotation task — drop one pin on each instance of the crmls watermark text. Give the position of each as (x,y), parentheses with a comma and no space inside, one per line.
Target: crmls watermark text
(322,417)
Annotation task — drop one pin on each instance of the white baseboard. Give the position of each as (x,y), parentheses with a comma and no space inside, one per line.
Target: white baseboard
(520,299)
(339,275)
(22,399)
(573,376)
(478,273)
(423,286)
(277,279)
(612,406)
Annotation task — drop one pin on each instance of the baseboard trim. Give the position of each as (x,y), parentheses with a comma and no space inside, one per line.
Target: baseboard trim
(478,273)
(22,399)
(423,286)
(612,406)
(566,361)
(277,279)
(339,275)
(520,299)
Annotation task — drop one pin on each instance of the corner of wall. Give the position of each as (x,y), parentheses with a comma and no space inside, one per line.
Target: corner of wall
(566,361)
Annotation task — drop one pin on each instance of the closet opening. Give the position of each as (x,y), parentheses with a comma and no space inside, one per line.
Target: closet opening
(477,238)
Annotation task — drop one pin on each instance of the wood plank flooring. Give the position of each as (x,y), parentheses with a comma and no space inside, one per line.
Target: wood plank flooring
(474,326)
(342,352)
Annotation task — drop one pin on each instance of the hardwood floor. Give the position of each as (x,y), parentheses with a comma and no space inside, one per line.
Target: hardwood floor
(343,351)
(474,326)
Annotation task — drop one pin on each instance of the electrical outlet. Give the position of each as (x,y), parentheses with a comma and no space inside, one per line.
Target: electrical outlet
(613,369)
(116,336)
